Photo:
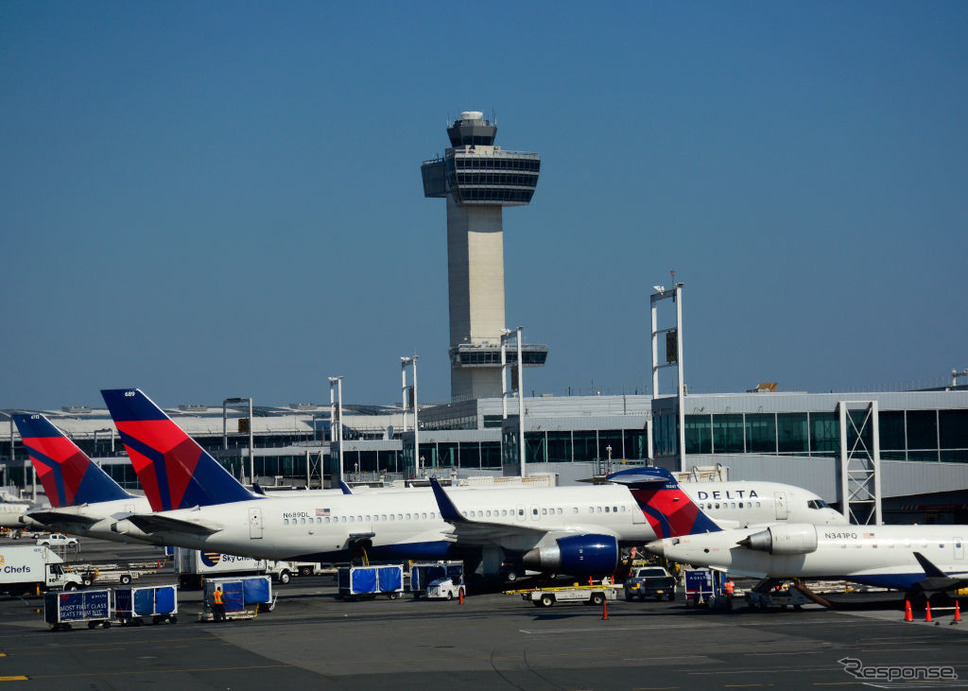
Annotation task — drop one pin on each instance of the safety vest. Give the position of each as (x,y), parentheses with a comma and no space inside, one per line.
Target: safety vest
(729,587)
(218,597)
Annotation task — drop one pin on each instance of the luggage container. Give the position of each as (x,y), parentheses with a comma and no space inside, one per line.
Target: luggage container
(366,582)
(134,605)
(244,596)
(64,610)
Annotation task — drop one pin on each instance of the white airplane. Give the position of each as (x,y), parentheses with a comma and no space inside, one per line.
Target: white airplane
(913,558)
(197,503)
(84,500)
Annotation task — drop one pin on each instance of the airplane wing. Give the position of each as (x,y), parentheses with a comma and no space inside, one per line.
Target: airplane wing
(474,532)
(936,579)
(154,523)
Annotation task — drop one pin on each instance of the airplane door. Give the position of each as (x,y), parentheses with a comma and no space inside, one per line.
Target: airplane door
(780,503)
(255,523)
(533,510)
(959,549)
(520,512)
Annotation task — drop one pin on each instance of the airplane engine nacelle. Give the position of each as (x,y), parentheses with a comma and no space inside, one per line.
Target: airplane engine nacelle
(784,539)
(576,555)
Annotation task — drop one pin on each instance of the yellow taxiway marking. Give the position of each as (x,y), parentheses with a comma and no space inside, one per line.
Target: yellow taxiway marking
(16,678)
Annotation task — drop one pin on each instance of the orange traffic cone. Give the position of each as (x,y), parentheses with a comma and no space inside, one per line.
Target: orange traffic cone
(957,613)
(460,595)
(927,612)
(604,609)
(908,615)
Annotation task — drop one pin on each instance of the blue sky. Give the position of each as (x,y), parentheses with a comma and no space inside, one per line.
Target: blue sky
(223,198)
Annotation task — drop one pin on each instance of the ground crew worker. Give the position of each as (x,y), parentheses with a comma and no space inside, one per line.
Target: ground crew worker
(218,605)
(729,585)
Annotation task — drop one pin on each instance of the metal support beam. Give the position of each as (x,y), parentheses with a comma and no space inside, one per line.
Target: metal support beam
(860,463)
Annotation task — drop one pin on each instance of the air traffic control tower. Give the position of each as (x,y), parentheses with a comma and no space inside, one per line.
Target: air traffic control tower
(478,179)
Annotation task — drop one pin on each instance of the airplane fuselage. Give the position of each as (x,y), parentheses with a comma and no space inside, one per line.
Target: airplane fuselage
(873,555)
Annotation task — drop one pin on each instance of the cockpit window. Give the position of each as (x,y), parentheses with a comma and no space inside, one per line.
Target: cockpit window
(817,504)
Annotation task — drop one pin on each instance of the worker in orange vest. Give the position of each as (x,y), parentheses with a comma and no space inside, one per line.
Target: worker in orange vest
(218,605)
(728,587)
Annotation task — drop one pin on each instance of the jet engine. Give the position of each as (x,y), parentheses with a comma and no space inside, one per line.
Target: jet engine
(576,555)
(783,539)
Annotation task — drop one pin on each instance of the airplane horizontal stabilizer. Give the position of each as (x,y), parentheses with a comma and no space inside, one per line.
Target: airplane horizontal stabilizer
(155,523)
(48,517)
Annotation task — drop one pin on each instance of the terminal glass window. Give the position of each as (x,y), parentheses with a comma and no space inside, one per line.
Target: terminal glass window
(449,456)
(559,447)
(699,434)
(892,430)
(636,444)
(586,448)
(470,455)
(791,432)
(825,433)
(953,429)
(728,433)
(665,429)
(491,454)
(534,447)
(761,433)
(610,438)
(922,429)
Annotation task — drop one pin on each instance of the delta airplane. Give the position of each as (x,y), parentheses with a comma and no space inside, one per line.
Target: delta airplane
(197,503)
(913,558)
(84,500)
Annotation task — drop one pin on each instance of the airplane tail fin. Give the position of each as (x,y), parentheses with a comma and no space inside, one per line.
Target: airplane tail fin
(175,472)
(669,510)
(68,475)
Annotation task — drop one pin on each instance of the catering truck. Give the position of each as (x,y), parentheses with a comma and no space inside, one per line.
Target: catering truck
(27,568)
(193,567)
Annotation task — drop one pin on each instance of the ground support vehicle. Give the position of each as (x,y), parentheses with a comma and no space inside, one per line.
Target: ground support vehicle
(423,573)
(193,567)
(112,572)
(779,597)
(62,611)
(445,589)
(705,588)
(30,568)
(650,582)
(58,540)
(244,597)
(158,603)
(366,582)
(588,594)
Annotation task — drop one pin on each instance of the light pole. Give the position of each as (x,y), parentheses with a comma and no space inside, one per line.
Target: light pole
(225,438)
(336,417)
(404,362)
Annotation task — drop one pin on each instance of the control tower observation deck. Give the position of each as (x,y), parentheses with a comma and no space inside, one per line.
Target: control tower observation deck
(478,179)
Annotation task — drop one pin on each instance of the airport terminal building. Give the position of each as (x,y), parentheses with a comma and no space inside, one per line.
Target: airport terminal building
(920,458)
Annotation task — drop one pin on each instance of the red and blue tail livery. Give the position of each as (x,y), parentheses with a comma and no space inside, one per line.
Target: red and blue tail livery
(68,475)
(174,471)
(669,510)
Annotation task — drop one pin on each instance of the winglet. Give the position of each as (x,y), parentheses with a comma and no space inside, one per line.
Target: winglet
(448,510)
(669,510)
(346,488)
(68,474)
(175,472)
